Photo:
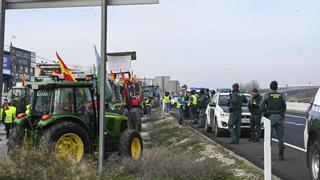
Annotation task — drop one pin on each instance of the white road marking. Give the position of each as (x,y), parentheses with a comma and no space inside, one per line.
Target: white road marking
(293,123)
(301,117)
(290,145)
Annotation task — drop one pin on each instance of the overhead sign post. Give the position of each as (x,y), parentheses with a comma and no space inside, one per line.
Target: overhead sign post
(31,4)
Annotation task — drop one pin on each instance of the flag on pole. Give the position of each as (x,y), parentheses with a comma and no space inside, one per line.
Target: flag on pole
(55,73)
(65,70)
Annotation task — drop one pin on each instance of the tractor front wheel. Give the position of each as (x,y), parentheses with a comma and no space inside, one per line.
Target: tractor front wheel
(67,140)
(131,144)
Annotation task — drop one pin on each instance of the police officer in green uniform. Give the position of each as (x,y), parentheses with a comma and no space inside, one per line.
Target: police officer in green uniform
(235,109)
(256,115)
(202,104)
(274,107)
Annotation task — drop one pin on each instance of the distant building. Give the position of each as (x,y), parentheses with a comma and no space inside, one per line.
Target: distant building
(162,82)
(173,86)
(6,71)
(23,63)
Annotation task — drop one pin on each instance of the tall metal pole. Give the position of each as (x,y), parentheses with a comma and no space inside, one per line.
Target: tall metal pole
(2,25)
(267,148)
(104,4)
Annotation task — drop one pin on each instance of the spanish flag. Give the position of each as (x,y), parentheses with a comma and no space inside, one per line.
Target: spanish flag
(65,70)
(55,73)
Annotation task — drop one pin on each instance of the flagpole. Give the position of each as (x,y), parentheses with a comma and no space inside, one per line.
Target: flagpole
(104,5)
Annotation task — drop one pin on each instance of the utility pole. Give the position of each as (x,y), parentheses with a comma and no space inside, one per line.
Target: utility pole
(102,80)
(2,28)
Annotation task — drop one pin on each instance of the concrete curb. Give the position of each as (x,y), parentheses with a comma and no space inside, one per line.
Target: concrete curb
(227,150)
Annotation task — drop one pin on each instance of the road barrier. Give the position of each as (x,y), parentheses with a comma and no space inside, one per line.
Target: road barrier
(300,107)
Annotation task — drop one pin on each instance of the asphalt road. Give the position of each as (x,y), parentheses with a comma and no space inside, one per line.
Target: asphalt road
(293,167)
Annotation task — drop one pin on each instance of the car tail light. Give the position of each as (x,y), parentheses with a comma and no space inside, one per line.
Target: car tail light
(21,115)
(46,117)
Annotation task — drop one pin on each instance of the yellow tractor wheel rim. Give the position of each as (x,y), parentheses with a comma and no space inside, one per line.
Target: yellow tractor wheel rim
(136,148)
(68,146)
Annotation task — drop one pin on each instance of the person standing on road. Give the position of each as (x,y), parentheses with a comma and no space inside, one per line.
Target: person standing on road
(213,92)
(180,105)
(202,105)
(235,109)
(13,109)
(256,115)
(167,102)
(8,119)
(193,106)
(149,106)
(274,107)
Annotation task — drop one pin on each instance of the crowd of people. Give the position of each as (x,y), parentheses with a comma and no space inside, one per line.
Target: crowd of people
(271,105)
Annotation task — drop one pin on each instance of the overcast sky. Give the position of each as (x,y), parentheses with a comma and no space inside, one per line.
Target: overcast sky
(207,43)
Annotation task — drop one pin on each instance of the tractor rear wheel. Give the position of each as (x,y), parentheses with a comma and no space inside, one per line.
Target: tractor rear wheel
(67,140)
(130,144)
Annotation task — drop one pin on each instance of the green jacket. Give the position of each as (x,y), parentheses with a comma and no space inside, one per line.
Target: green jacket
(273,103)
(254,105)
(202,101)
(236,101)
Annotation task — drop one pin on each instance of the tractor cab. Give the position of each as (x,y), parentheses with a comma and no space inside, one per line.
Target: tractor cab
(19,96)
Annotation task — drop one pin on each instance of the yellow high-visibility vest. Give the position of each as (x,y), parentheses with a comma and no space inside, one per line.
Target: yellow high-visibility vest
(27,109)
(1,112)
(14,111)
(179,105)
(194,99)
(166,99)
(9,116)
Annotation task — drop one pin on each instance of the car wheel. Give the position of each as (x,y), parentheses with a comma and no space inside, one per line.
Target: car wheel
(314,158)
(131,144)
(217,130)
(208,127)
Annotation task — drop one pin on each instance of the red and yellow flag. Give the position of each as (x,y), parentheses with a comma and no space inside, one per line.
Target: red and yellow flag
(65,70)
(55,72)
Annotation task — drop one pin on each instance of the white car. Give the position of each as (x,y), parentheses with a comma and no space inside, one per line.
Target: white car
(218,114)
(312,138)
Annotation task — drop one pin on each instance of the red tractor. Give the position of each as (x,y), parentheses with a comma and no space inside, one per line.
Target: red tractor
(128,96)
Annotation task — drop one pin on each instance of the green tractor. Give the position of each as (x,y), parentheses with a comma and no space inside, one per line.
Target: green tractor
(63,119)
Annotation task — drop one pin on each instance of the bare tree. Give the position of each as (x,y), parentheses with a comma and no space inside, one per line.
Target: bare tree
(250,85)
